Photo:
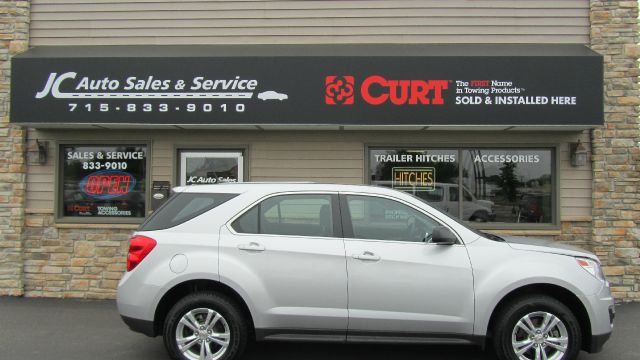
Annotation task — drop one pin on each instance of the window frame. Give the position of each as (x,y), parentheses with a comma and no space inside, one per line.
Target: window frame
(180,147)
(347,227)
(183,153)
(58,202)
(555,176)
(335,215)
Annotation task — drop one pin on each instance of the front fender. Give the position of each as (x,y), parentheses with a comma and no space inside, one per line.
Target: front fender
(504,270)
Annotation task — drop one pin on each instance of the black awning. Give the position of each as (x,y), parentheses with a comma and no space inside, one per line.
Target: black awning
(287,85)
(356,50)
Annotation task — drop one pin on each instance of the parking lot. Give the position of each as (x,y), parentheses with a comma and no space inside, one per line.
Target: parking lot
(76,329)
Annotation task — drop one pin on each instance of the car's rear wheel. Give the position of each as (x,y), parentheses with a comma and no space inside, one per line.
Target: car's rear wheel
(537,328)
(205,326)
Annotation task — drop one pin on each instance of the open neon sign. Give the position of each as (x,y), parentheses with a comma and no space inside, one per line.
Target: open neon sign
(107,184)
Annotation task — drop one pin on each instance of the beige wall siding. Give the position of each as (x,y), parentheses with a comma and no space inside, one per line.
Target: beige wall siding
(118,22)
(329,156)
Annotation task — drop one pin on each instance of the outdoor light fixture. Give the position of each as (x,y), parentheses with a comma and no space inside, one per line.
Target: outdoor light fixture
(578,154)
(43,150)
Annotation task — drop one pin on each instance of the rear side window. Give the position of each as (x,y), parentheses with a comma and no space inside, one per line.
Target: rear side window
(294,215)
(248,222)
(183,207)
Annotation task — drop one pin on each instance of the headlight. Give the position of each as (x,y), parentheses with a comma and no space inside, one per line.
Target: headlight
(592,267)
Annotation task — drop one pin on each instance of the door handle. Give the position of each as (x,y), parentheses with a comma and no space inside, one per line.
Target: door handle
(252,246)
(366,256)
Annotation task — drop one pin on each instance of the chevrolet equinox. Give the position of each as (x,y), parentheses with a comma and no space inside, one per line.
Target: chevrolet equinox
(219,266)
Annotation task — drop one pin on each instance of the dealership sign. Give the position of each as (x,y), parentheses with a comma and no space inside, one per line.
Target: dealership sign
(338,90)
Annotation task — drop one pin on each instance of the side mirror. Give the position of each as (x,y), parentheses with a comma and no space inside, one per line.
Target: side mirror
(443,236)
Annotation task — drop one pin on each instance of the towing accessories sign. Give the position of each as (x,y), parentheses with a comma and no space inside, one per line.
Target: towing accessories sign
(338,90)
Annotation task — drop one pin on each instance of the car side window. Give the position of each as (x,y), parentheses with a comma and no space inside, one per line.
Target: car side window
(467,195)
(453,194)
(379,218)
(248,222)
(294,215)
(435,195)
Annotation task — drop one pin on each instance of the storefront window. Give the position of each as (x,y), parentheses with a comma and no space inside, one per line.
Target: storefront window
(429,174)
(516,183)
(496,185)
(103,181)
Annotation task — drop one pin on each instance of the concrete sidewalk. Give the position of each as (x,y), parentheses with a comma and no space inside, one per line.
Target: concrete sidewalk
(52,329)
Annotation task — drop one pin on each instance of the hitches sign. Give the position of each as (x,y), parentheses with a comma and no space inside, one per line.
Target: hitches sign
(414,178)
(376,90)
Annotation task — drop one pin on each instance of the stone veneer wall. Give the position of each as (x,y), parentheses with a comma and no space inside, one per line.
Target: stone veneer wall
(616,147)
(14,39)
(71,260)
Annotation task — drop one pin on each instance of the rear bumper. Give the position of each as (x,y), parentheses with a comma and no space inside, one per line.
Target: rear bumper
(142,326)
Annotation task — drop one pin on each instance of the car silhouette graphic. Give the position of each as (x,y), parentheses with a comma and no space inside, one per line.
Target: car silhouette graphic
(272,95)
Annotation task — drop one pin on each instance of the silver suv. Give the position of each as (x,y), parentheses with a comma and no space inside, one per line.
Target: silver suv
(219,266)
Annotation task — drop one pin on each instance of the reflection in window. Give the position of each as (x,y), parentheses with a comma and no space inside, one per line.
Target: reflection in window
(425,173)
(501,185)
(516,183)
(301,215)
(103,180)
(384,219)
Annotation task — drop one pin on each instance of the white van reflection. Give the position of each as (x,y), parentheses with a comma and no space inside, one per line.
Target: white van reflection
(445,198)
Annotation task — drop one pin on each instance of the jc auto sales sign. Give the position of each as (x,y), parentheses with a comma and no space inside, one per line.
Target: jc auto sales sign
(309,90)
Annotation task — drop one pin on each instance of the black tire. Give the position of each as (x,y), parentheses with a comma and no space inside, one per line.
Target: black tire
(517,309)
(227,308)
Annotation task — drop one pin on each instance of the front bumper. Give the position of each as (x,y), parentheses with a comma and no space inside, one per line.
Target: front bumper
(597,342)
(602,314)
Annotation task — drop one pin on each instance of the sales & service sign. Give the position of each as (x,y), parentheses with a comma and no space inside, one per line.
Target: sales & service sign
(103,180)
(309,90)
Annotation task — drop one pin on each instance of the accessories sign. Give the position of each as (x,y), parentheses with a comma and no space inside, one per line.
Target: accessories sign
(318,90)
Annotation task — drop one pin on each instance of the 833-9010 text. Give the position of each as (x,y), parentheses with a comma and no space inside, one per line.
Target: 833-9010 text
(106,107)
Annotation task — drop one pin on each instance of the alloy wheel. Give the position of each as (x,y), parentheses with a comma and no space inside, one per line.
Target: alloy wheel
(540,336)
(203,334)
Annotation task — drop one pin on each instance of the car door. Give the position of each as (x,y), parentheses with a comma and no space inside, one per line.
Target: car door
(286,256)
(453,208)
(399,284)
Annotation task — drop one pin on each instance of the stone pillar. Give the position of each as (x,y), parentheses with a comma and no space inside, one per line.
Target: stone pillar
(616,147)
(14,38)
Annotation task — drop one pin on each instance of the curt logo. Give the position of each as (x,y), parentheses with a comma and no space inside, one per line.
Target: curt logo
(338,90)
(377,90)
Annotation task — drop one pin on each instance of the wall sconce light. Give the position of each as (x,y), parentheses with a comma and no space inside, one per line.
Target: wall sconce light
(43,151)
(578,154)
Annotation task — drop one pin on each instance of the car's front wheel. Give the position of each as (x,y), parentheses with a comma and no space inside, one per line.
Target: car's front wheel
(537,328)
(205,326)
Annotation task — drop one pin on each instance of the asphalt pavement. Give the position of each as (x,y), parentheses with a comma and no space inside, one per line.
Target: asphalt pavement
(52,329)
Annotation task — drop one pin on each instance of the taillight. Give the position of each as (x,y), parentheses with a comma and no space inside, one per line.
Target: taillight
(139,248)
